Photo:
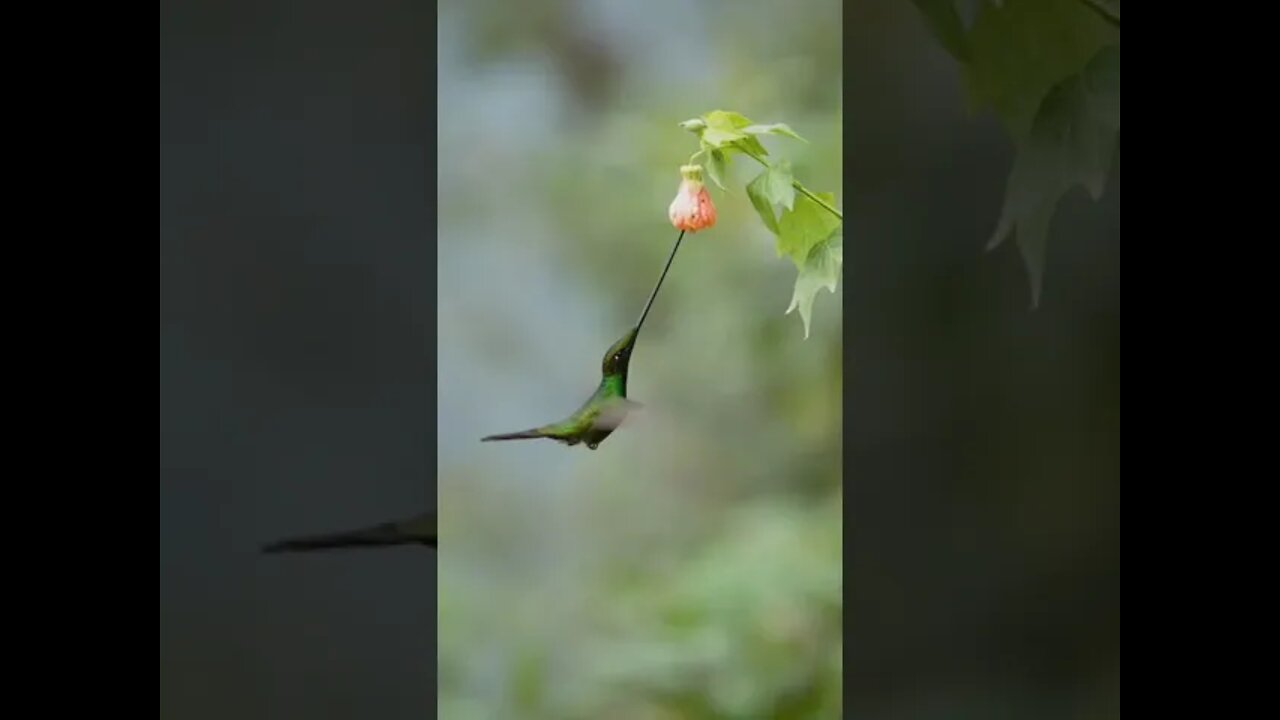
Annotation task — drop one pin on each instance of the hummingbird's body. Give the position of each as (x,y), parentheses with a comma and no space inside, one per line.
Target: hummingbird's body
(601,414)
(419,530)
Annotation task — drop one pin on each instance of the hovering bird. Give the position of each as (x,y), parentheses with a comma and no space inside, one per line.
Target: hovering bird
(604,411)
(418,530)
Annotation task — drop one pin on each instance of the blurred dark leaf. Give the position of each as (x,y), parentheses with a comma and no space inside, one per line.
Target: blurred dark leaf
(945,23)
(1022,48)
(1072,141)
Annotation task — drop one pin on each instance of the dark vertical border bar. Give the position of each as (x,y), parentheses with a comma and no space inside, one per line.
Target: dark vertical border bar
(981,439)
(424,56)
(297,352)
(428,17)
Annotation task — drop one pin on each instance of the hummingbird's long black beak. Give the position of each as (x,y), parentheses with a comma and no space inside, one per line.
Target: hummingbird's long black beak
(657,287)
(630,343)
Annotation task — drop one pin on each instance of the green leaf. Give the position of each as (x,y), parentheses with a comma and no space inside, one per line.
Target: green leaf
(751,145)
(718,137)
(724,127)
(821,269)
(804,226)
(717,167)
(772,187)
(727,130)
(721,128)
(778,184)
(759,195)
(1071,141)
(726,119)
(1019,51)
(944,20)
(773,129)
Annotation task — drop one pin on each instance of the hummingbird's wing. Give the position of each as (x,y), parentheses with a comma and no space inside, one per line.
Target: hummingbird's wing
(420,529)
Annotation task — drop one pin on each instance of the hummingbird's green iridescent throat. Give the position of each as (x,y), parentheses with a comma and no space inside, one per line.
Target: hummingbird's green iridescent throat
(601,414)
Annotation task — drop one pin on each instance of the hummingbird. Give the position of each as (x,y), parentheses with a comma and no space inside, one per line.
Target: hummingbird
(604,411)
(417,530)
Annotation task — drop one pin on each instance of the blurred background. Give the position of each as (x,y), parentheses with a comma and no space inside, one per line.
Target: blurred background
(692,566)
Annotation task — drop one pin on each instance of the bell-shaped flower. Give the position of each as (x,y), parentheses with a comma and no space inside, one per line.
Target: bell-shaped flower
(692,209)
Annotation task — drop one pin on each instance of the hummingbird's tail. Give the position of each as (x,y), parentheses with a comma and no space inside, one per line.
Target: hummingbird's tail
(375,536)
(522,435)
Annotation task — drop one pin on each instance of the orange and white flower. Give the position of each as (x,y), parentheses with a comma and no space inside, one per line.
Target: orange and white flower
(692,209)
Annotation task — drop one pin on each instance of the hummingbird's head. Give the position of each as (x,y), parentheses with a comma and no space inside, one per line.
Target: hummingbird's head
(619,356)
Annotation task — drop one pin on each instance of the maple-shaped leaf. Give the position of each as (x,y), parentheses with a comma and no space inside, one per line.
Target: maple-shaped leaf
(1071,141)
(820,270)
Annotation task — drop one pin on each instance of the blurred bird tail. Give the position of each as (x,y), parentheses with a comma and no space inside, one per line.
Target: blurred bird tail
(522,435)
(378,535)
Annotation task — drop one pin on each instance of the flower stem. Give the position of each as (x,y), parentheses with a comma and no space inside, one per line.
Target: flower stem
(795,184)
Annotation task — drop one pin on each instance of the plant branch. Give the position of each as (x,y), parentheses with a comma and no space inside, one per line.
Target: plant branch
(794,183)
